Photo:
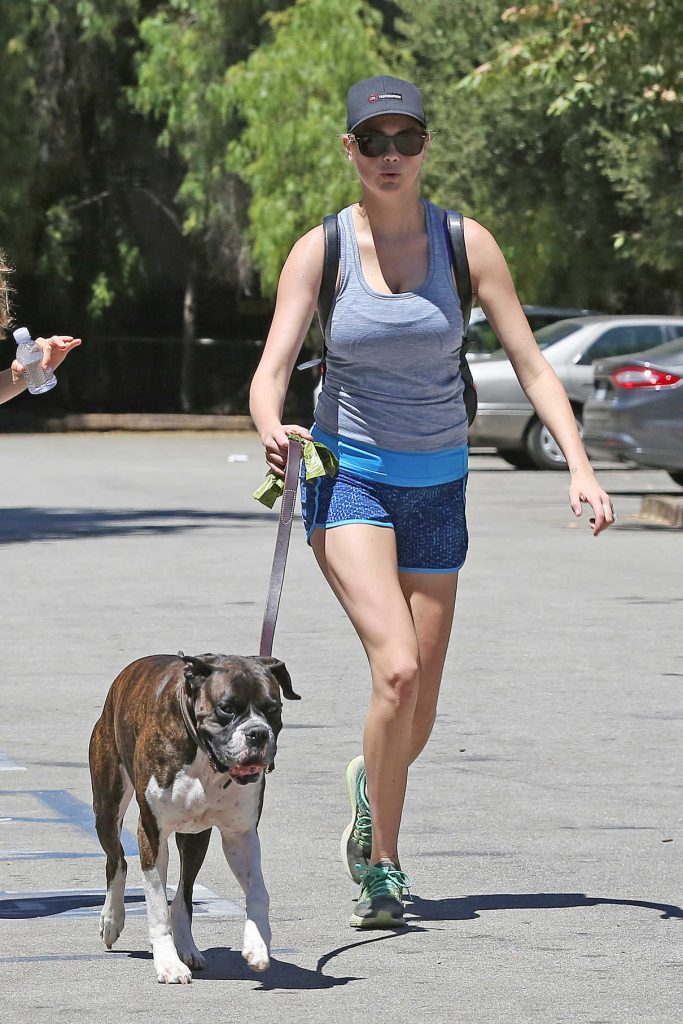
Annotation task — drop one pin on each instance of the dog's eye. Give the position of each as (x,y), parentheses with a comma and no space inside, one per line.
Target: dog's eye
(223,714)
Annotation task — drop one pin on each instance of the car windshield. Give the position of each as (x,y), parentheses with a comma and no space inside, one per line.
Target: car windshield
(547,336)
(671,348)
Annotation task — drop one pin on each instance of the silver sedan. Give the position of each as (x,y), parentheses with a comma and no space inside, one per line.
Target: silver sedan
(506,419)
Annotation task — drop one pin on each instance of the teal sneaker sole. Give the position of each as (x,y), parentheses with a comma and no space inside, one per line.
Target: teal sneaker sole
(350,853)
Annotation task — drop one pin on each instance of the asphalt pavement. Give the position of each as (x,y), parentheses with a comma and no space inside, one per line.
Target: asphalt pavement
(542,829)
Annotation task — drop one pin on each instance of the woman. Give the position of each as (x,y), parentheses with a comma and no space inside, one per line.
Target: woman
(55,349)
(392,409)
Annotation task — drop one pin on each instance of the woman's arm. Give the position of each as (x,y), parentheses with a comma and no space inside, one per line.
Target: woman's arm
(492,283)
(297,296)
(8,388)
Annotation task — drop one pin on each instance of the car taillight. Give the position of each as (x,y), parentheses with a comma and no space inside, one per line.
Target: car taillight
(642,377)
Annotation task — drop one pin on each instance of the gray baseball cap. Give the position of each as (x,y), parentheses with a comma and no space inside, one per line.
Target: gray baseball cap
(383,94)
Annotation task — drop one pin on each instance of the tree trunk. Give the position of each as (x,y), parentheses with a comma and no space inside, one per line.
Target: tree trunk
(189,331)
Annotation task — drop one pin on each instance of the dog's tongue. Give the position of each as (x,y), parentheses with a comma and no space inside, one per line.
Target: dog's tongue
(241,770)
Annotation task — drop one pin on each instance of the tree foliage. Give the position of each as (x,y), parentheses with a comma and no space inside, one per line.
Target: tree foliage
(618,67)
(72,133)
(186,48)
(166,143)
(290,95)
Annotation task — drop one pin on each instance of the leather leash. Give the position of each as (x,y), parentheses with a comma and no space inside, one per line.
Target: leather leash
(277,574)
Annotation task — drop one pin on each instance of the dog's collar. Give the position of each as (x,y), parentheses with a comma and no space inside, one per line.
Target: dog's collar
(189,724)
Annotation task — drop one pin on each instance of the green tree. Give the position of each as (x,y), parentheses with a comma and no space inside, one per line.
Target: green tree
(18,149)
(290,95)
(71,129)
(504,160)
(186,47)
(617,68)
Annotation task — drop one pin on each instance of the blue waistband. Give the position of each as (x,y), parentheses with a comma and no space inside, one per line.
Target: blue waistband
(402,469)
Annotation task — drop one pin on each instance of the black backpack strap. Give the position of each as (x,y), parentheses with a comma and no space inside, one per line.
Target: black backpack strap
(455,238)
(455,233)
(328,284)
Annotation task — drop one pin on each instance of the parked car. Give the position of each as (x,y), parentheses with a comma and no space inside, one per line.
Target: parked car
(506,419)
(636,412)
(484,340)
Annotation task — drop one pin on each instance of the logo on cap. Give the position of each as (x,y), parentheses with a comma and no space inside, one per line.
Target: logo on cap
(374,97)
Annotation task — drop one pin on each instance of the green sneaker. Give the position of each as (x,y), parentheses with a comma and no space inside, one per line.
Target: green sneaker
(381,894)
(356,840)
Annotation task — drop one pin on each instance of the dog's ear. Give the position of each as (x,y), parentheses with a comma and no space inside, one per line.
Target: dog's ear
(281,674)
(195,670)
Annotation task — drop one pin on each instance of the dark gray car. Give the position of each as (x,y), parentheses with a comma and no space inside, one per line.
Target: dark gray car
(506,419)
(636,412)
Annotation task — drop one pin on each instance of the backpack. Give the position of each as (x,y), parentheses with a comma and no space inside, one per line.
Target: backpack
(455,239)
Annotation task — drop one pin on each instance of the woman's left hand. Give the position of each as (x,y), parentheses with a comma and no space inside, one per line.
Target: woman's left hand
(585,489)
(55,350)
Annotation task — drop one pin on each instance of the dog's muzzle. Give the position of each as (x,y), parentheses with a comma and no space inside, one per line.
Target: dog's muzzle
(249,752)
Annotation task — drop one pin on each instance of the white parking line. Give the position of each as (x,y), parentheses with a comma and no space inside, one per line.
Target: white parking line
(8,765)
(88,903)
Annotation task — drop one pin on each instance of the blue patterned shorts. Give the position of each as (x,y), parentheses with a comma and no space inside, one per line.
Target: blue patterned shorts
(429,522)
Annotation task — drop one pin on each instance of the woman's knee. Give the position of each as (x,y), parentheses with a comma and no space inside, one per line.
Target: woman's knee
(397,684)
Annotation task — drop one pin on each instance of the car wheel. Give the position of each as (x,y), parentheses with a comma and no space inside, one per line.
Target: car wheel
(677,476)
(542,448)
(516,457)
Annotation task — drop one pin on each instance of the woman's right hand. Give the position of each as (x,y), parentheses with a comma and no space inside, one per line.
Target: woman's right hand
(54,349)
(276,444)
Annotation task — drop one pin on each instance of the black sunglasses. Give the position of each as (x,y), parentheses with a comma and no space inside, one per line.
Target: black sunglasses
(377,144)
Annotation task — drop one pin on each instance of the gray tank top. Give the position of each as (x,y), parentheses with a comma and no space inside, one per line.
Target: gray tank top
(393,370)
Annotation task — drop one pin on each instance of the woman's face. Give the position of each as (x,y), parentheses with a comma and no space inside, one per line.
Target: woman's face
(392,171)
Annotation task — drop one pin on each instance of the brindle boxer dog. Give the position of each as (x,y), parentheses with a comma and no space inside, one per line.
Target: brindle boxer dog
(193,739)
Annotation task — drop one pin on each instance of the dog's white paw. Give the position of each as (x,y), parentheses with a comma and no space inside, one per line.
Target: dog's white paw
(172,972)
(254,950)
(258,961)
(111,925)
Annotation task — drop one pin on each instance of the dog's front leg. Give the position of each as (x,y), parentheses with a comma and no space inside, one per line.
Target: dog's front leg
(170,969)
(243,854)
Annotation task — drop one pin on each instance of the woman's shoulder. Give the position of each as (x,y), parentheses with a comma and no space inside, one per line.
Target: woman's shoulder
(478,239)
(309,246)
(304,264)
(308,252)
(475,232)
(474,229)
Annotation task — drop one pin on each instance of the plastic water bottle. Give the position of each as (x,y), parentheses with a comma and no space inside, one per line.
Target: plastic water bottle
(30,355)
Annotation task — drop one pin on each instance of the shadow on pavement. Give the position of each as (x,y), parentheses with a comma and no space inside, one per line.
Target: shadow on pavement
(465,908)
(28,524)
(225,964)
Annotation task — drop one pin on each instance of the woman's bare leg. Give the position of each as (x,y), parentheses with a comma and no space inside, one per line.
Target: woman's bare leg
(395,618)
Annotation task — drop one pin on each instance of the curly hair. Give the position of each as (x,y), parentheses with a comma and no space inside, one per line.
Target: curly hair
(5,290)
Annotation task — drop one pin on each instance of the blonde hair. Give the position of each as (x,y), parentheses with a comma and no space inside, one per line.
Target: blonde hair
(5,290)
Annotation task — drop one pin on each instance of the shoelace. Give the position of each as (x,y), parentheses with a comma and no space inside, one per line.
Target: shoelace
(380,880)
(362,830)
